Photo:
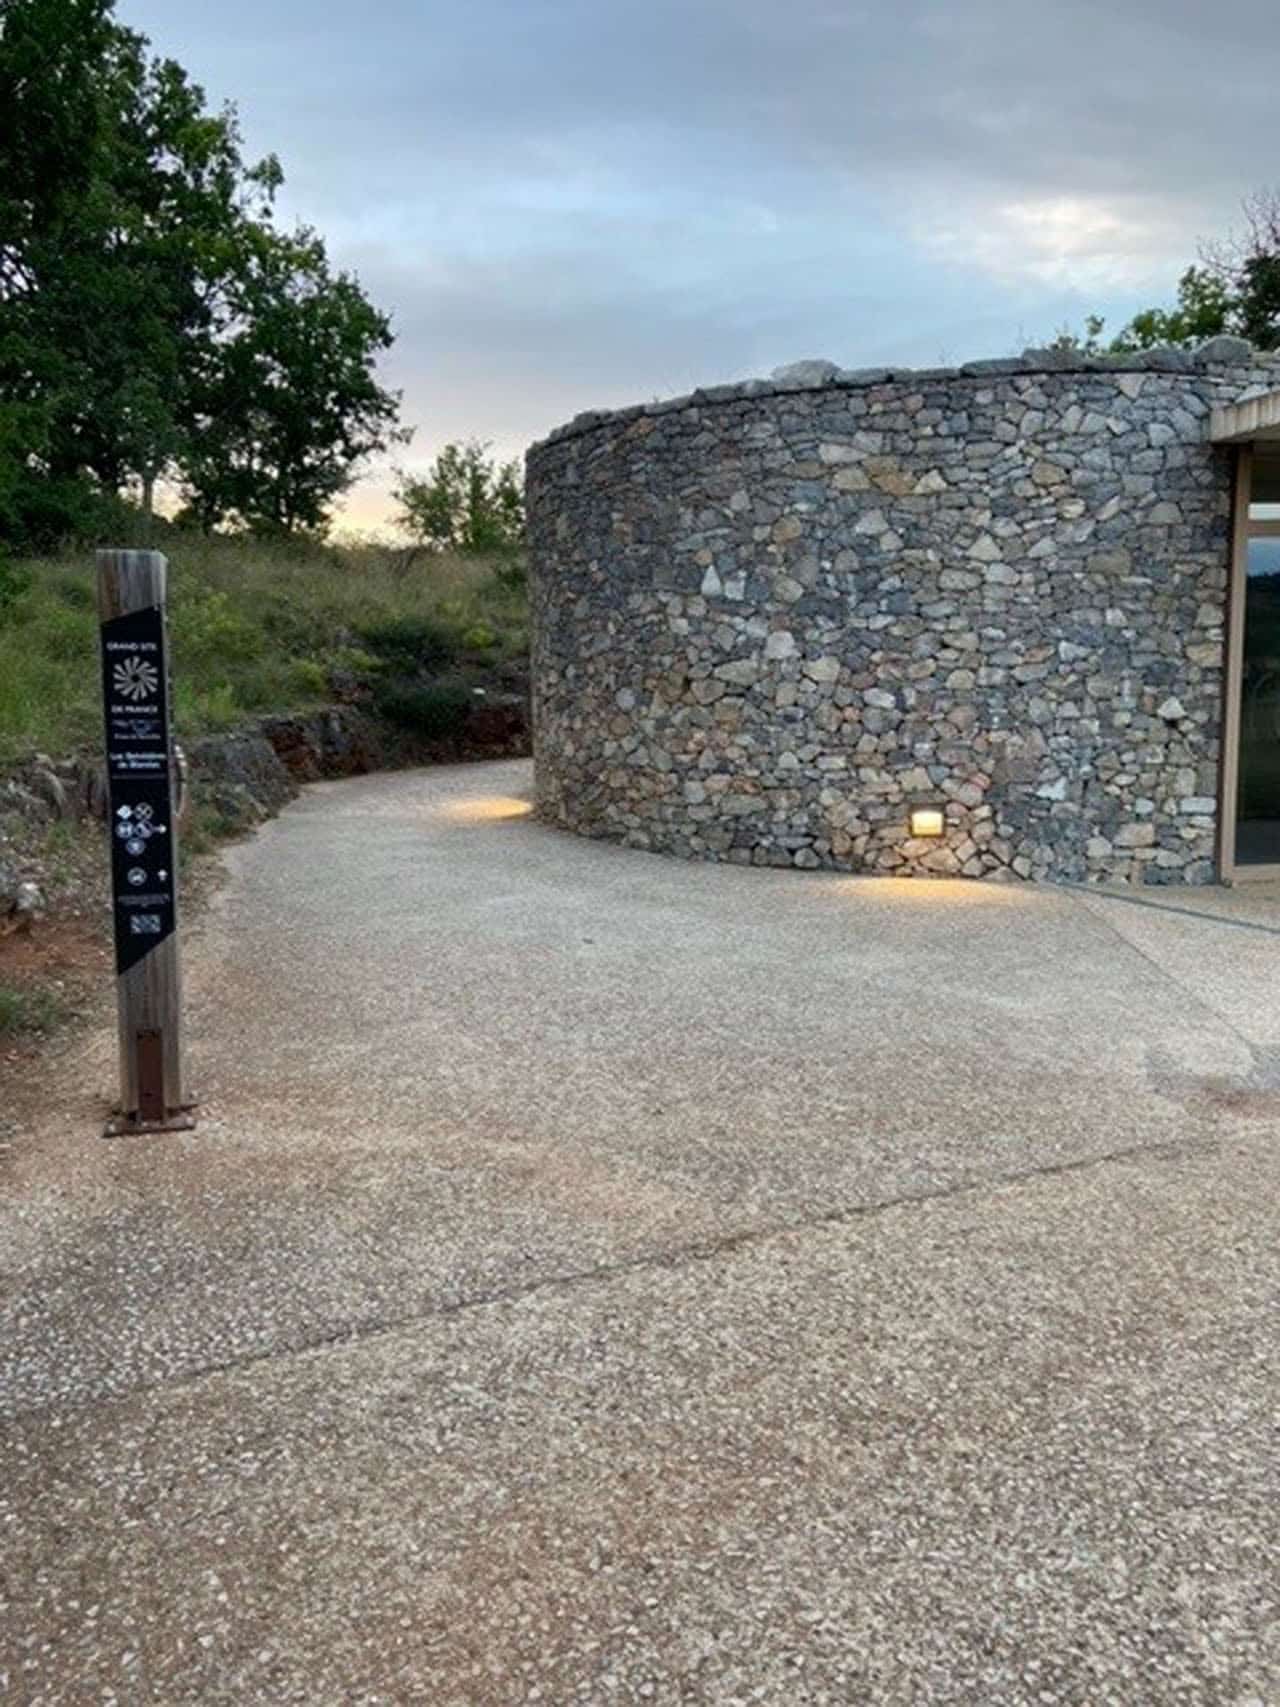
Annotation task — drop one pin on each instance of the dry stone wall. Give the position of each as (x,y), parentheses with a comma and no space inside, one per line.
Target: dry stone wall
(769,619)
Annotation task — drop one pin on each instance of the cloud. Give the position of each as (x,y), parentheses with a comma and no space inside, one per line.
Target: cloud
(1072,243)
(569,203)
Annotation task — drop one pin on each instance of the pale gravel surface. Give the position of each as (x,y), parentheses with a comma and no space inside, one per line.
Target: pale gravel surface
(600,1279)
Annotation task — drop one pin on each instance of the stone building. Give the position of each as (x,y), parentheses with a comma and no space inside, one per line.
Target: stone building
(1016,618)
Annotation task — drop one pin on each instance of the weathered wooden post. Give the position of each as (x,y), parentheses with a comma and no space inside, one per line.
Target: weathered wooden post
(144,842)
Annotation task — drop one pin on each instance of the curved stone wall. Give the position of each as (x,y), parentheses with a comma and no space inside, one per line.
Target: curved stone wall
(770,619)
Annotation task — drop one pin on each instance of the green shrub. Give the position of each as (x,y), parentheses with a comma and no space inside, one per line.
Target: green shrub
(357,662)
(308,679)
(208,629)
(479,638)
(216,706)
(410,642)
(434,710)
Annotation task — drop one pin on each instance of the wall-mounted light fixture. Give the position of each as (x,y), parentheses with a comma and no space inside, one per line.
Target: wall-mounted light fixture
(928,821)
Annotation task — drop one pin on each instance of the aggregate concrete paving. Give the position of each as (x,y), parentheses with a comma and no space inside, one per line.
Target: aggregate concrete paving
(602,1279)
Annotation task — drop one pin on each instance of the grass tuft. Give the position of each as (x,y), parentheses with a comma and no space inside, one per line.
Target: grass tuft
(27,1011)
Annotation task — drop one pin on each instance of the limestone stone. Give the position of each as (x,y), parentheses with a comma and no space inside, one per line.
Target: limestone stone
(851,480)
(1135,835)
(741,672)
(821,669)
(813,372)
(1223,348)
(1048,474)
(985,549)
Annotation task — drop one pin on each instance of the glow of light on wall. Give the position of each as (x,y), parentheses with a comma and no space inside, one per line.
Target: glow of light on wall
(489,809)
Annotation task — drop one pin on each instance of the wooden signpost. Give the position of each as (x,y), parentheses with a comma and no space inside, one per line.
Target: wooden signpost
(144,841)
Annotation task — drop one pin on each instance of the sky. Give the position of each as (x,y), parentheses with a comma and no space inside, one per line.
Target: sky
(579,204)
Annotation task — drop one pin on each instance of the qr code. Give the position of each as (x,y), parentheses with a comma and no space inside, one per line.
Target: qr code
(144,924)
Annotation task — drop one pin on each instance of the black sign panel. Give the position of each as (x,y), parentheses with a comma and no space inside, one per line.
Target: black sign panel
(135,690)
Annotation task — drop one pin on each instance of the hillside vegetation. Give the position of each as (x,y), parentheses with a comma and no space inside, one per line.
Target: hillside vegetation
(256,627)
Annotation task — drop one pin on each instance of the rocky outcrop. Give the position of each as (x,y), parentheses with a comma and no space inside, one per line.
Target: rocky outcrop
(249,775)
(42,790)
(239,777)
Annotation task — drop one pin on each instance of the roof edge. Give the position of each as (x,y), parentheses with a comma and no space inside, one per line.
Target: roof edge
(817,375)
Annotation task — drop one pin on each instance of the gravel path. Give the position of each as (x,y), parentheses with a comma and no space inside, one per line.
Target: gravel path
(602,1279)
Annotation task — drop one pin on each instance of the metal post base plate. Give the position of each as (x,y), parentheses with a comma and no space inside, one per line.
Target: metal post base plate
(177,1120)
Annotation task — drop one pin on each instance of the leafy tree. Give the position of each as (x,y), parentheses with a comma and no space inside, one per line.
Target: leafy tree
(466,502)
(144,291)
(1249,264)
(160,236)
(285,401)
(1202,311)
(1235,288)
(51,119)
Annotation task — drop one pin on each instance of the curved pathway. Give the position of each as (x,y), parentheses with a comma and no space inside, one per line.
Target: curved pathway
(596,1278)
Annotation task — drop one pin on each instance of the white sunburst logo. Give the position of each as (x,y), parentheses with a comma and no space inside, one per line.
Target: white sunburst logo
(135,679)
